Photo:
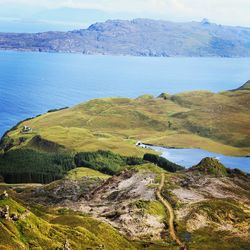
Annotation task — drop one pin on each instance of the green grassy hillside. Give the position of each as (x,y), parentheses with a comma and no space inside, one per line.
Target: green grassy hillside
(211,210)
(32,232)
(215,122)
(210,166)
(78,173)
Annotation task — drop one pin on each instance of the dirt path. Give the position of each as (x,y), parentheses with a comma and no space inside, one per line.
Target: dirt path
(167,205)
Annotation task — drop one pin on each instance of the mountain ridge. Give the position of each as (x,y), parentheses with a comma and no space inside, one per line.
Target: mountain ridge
(138,37)
(245,86)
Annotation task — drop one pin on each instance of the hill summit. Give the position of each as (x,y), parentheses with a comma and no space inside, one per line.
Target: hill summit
(245,86)
(210,166)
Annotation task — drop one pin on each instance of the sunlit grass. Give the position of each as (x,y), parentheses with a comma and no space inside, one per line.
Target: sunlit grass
(199,119)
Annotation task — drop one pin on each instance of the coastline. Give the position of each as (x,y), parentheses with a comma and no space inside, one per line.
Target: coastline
(186,158)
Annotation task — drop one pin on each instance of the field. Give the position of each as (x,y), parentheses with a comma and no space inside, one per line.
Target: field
(214,122)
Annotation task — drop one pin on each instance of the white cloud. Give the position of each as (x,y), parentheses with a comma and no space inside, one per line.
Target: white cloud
(234,12)
(106,5)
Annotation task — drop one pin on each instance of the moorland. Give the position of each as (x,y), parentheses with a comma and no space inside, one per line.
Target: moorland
(76,180)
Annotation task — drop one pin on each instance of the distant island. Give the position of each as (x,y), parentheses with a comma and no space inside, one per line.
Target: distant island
(138,37)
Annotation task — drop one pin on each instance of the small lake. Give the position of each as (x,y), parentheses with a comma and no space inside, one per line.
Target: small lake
(190,157)
(32,83)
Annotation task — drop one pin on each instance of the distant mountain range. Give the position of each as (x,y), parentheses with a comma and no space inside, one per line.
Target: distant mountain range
(139,37)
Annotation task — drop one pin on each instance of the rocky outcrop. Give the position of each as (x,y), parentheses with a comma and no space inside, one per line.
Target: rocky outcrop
(115,202)
(5,213)
(66,245)
(125,201)
(218,202)
(4,195)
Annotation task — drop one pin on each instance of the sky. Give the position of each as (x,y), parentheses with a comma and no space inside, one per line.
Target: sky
(44,15)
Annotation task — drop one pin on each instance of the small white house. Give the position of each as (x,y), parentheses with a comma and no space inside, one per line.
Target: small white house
(26,129)
(140,144)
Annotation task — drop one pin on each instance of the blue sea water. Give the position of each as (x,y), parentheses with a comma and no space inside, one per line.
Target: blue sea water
(189,157)
(32,83)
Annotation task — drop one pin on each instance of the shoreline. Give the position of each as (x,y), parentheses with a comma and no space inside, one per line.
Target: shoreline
(116,55)
(168,147)
(241,168)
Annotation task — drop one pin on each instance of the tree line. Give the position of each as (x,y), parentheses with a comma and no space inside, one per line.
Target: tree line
(33,166)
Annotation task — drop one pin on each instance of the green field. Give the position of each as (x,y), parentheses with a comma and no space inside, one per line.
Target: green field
(215,122)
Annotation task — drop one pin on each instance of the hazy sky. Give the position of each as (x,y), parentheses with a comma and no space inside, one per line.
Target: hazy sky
(37,15)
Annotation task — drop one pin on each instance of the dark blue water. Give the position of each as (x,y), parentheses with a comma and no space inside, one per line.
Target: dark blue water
(32,83)
(190,157)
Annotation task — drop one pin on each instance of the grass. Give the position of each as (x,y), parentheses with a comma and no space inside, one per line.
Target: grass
(210,166)
(217,211)
(208,239)
(223,210)
(104,232)
(79,173)
(156,245)
(215,122)
(33,232)
(151,207)
(148,167)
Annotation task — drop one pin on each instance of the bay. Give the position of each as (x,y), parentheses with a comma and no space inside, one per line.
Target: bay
(32,83)
(188,157)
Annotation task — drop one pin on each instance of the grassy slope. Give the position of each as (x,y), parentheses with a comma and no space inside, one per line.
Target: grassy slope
(222,117)
(220,210)
(32,232)
(216,122)
(78,173)
(46,227)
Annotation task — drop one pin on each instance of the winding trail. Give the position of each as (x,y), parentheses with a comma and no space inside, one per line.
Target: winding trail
(167,205)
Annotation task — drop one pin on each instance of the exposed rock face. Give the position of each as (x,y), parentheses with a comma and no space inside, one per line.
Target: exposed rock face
(14,217)
(5,213)
(63,191)
(127,201)
(4,195)
(66,245)
(121,200)
(139,37)
(114,202)
(221,203)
